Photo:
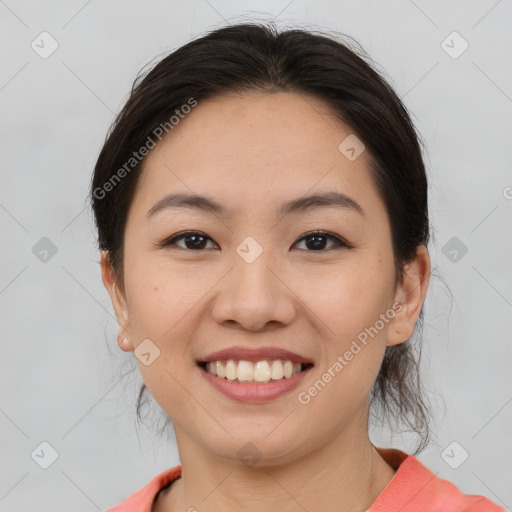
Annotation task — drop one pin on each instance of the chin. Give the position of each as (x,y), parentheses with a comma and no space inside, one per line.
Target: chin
(260,447)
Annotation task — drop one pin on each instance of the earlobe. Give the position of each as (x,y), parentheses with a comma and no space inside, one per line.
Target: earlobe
(124,343)
(410,293)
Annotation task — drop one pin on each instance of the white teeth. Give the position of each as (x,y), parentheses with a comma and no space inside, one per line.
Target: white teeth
(246,371)
(221,371)
(288,369)
(276,370)
(261,371)
(231,370)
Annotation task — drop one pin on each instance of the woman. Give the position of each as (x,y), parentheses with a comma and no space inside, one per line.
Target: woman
(261,205)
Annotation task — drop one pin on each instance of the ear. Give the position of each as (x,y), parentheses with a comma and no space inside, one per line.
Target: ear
(410,293)
(119,303)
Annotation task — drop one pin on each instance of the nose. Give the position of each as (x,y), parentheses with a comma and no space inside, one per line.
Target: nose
(254,296)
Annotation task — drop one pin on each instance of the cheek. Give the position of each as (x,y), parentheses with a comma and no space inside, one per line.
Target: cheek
(354,308)
(161,296)
(348,299)
(162,315)
(358,319)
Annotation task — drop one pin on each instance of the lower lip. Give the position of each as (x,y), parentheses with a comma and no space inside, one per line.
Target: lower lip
(251,392)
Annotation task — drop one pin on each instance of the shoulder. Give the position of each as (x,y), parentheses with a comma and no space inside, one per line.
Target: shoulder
(414,488)
(142,500)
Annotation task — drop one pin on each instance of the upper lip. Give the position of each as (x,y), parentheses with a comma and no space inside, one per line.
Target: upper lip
(255,354)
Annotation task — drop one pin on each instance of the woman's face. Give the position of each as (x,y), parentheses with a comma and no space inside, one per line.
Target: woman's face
(255,282)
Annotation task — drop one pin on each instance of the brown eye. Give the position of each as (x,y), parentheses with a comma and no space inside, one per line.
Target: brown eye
(193,240)
(317,241)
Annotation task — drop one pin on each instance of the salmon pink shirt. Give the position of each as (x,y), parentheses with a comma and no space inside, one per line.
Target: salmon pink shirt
(414,488)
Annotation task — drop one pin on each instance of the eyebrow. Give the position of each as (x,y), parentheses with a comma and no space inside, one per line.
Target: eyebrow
(328,199)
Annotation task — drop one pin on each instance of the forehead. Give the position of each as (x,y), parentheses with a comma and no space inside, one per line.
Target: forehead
(257,147)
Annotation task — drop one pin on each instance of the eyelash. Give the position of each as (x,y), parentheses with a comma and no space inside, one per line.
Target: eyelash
(340,243)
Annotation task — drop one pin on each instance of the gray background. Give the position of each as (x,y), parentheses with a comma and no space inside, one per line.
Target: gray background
(61,370)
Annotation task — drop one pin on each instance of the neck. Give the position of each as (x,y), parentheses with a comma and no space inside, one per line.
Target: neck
(321,480)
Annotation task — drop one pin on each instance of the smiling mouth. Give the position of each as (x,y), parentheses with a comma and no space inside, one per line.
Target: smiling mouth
(259,372)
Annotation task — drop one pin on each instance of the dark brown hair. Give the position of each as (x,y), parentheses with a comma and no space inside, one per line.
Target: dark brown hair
(258,57)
